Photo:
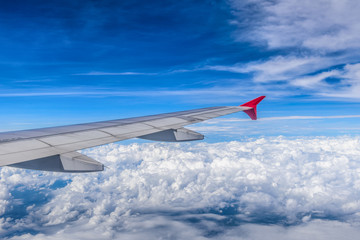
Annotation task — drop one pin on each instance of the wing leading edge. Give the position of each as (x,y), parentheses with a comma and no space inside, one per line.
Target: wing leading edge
(54,149)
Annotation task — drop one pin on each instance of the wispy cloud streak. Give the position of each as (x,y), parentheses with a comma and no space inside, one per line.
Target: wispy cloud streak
(213,121)
(113,73)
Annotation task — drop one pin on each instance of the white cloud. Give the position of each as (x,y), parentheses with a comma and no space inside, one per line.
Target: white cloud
(95,73)
(350,83)
(314,41)
(125,93)
(317,40)
(234,120)
(237,128)
(320,230)
(315,81)
(182,191)
(306,73)
(277,68)
(325,25)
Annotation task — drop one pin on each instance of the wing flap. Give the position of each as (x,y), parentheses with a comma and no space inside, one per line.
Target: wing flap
(77,162)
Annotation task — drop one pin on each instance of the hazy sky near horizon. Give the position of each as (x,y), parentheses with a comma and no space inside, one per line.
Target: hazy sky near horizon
(66,62)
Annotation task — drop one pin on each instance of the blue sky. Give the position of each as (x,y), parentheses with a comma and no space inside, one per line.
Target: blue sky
(65,62)
(290,175)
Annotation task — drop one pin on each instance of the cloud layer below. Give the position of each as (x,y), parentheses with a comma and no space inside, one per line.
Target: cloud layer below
(283,188)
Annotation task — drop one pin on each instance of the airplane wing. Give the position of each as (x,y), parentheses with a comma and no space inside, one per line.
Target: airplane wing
(54,148)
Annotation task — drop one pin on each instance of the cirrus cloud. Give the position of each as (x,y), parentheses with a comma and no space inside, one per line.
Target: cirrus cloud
(313,45)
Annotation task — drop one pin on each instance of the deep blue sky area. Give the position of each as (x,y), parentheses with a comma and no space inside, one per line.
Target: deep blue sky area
(64,62)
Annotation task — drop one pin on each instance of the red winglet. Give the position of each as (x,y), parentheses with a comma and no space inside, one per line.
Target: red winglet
(253,103)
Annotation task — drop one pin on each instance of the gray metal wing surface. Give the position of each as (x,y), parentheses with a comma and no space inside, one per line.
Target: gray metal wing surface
(54,149)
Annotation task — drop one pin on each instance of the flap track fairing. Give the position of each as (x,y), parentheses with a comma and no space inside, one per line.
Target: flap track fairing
(174,135)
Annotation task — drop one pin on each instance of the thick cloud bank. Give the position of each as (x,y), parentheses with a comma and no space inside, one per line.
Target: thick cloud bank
(265,188)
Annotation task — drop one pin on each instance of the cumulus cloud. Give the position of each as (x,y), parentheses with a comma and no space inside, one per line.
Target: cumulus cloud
(197,191)
(318,229)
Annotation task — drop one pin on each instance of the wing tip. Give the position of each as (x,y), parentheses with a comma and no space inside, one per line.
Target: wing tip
(253,102)
(252,113)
